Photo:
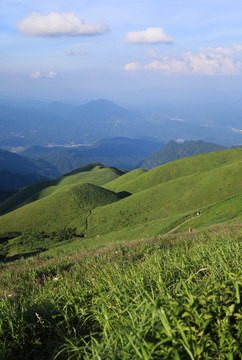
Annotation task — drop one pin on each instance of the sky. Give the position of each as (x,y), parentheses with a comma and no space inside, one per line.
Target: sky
(128,51)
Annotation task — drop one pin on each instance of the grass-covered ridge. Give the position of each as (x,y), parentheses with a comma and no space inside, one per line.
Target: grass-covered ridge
(166,198)
(61,209)
(181,195)
(94,173)
(120,278)
(177,297)
(176,169)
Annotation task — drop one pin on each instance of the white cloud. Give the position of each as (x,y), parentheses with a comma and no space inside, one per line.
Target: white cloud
(132,66)
(219,61)
(36,75)
(50,75)
(149,36)
(55,24)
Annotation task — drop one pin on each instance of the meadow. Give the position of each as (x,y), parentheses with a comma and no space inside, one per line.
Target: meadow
(99,264)
(172,297)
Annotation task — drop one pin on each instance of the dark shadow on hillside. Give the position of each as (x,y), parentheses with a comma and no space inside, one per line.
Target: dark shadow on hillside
(22,256)
(4,237)
(124,194)
(32,193)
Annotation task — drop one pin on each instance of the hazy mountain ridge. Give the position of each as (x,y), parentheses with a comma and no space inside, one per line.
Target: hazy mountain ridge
(17,171)
(173,151)
(10,182)
(97,120)
(118,152)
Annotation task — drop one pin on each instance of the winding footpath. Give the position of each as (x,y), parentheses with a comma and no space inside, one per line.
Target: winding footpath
(178,226)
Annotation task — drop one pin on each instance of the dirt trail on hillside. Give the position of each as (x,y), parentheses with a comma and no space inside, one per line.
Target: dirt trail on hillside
(178,226)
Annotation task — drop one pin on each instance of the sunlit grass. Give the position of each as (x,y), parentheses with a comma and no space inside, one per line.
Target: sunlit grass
(177,297)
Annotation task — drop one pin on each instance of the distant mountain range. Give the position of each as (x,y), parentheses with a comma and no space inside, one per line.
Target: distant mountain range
(10,181)
(59,123)
(175,151)
(42,163)
(17,171)
(16,163)
(118,152)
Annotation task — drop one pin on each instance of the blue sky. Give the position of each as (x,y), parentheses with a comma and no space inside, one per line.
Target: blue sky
(127,51)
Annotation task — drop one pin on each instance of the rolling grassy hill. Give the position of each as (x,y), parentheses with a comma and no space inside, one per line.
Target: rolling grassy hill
(67,208)
(174,170)
(94,173)
(159,296)
(160,200)
(184,194)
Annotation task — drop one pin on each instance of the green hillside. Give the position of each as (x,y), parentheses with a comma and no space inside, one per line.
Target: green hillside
(173,151)
(168,199)
(62,209)
(160,200)
(94,173)
(172,298)
(95,265)
(118,183)
(176,169)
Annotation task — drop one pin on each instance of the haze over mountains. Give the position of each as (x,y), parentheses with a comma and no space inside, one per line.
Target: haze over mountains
(174,151)
(56,138)
(26,125)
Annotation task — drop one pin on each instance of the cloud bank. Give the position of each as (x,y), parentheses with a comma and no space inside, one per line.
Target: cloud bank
(149,36)
(50,75)
(218,61)
(55,24)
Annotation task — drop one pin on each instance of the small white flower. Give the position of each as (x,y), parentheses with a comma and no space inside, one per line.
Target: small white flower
(56,279)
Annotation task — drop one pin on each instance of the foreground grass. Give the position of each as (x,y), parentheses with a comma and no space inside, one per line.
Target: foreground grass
(177,297)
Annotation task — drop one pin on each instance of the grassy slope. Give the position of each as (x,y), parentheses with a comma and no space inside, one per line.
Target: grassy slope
(178,298)
(171,198)
(93,173)
(117,184)
(67,208)
(155,210)
(174,170)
